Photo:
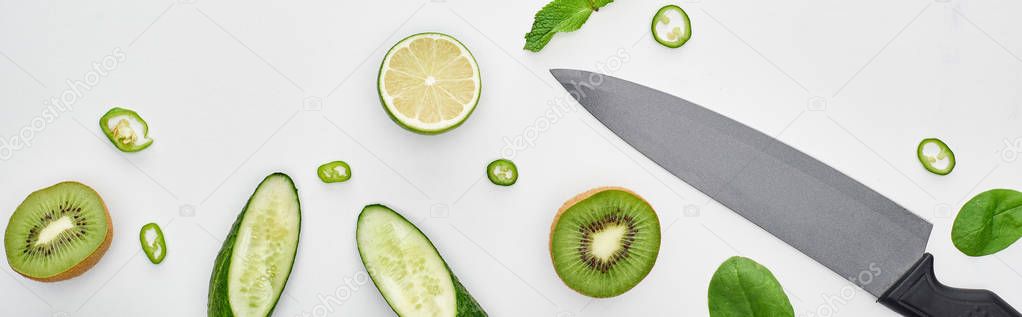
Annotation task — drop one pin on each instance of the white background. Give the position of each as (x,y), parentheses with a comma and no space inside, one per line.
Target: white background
(235,90)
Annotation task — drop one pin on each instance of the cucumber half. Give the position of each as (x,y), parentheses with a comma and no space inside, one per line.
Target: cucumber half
(256,258)
(407,269)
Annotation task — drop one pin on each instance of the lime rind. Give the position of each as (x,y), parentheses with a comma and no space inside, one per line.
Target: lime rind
(422,128)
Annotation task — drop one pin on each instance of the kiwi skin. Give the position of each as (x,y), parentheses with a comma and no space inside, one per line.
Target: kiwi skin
(574,200)
(93,258)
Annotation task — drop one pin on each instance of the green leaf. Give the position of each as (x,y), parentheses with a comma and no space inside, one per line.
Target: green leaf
(559,16)
(988,223)
(743,288)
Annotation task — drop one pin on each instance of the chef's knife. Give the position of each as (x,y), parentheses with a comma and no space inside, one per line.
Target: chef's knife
(839,222)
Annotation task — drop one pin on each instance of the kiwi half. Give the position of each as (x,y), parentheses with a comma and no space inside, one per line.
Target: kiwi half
(58,232)
(604,241)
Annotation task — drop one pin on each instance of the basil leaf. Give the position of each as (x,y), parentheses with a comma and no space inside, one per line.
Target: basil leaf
(742,288)
(988,223)
(559,16)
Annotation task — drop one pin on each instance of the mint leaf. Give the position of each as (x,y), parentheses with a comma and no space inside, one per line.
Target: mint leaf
(559,16)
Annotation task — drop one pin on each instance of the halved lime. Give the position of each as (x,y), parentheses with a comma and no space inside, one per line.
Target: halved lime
(429,83)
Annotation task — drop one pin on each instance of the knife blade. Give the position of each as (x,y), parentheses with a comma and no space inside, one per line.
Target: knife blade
(837,221)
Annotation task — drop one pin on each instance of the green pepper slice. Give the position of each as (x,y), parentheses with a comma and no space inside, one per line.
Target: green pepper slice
(936,156)
(126,129)
(153,244)
(334,172)
(671,26)
(502,172)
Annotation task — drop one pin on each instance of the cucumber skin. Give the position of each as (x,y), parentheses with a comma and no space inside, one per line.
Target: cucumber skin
(219,301)
(465,304)
(219,304)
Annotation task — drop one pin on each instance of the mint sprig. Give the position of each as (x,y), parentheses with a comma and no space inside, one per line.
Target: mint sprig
(560,16)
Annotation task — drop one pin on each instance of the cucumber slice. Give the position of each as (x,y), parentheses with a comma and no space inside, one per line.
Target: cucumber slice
(407,269)
(256,259)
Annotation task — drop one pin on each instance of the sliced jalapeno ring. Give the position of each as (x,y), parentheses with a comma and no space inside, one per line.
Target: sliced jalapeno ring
(502,172)
(936,156)
(671,26)
(334,172)
(153,243)
(126,129)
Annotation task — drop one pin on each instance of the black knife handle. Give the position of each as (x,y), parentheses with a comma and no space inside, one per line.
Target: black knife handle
(919,294)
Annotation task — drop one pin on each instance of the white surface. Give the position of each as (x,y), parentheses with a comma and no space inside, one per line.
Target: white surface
(223,86)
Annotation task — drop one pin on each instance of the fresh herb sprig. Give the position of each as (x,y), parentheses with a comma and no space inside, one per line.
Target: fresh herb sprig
(560,16)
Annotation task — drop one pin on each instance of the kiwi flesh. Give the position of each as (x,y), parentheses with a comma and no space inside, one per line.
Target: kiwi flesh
(58,232)
(604,241)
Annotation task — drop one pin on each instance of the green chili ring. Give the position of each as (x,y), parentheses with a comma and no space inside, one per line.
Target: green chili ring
(154,245)
(943,153)
(334,172)
(126,129)
(502,172)
(676,37)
